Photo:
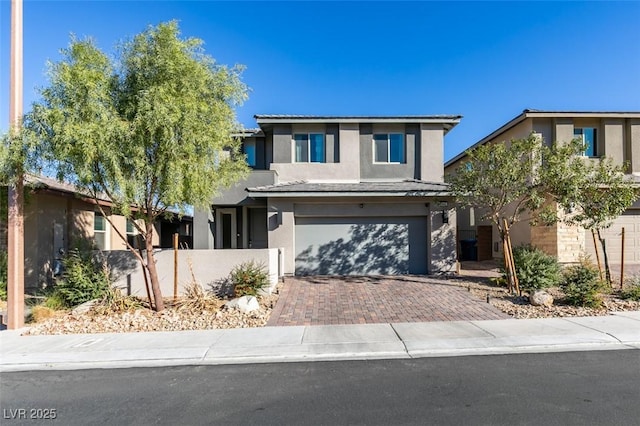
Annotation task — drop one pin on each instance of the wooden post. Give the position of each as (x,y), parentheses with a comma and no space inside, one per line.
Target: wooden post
(144,273)
(622,262)
(595,246)
(507,264)
(15,199)
(512,263)
(175,266)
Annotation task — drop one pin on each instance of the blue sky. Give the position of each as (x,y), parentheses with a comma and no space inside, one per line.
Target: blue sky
(484,60)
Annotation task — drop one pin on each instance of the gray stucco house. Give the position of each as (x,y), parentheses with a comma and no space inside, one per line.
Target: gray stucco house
(341,195)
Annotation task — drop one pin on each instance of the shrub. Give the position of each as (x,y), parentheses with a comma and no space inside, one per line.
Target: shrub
(248,278)
(535,269)
(54,301)
(85,278)
(582,285)
(41,313)
(632,289)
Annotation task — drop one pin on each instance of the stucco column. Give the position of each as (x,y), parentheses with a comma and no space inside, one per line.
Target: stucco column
(634,148)
(281,230)
(442,251)
(203,229)
(431,152)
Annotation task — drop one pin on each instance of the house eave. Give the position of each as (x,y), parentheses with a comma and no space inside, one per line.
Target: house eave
(409,194)
(532,113)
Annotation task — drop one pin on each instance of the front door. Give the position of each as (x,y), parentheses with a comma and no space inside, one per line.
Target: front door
(226,230)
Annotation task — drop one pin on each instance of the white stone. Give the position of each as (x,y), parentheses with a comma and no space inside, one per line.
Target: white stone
(84,307)
(244,304)
(541,298)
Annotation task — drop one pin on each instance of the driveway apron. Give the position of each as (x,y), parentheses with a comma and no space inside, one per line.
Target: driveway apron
(367,300)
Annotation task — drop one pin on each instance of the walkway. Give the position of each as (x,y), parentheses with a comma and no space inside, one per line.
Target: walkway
(367,300)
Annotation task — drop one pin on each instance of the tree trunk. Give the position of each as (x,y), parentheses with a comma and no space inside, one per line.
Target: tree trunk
(607,270)
(153,272)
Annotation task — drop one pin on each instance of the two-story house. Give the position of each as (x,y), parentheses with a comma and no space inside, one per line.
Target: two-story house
(341,196)
(611,134)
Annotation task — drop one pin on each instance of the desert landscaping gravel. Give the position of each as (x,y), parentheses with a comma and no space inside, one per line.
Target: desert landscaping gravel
(173,319)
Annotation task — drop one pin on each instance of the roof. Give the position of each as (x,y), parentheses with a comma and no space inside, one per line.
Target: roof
(43,182)
(50,184)
(447,121)
(536,113)
(403,188)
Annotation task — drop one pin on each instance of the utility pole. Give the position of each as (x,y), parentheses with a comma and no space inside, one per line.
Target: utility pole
(15,224)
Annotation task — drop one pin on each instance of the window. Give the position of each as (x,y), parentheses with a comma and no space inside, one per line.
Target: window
(388,148)
(100,231)
(249,147)
(309,148)
(588,135)
(132,232)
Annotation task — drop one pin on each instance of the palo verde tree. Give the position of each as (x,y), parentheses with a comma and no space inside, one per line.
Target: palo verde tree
(601,194)
(149,130)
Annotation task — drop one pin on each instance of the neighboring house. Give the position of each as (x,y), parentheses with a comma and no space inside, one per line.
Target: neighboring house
(341,196)
(57,216)
(611,134)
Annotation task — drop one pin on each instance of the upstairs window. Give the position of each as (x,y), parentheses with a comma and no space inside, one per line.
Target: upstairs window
(309,148)
(388,148)
(588,136)
(249,148)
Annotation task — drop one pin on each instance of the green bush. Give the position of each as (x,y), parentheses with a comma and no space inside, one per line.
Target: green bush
(582,285)
(535,269)
(248,278)
(632,289)
(3,275)
(54,301)
(84,279)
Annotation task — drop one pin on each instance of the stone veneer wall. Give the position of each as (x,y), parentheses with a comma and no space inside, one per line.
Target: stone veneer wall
(565,242)
(571,243)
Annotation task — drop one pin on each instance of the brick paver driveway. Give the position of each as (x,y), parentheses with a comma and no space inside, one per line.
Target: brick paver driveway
(364,300)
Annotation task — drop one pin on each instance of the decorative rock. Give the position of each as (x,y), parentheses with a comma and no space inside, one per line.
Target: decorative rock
(244,304)
(541,298)
(84,307)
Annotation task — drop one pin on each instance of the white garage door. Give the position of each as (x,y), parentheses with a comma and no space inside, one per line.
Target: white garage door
(361,246)
(613,235)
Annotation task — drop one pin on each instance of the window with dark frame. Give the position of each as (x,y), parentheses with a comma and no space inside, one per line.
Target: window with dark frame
(309,148)
(589,136)
(388,148)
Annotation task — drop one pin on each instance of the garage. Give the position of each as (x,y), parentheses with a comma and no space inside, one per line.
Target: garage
(361,245)
(630,220)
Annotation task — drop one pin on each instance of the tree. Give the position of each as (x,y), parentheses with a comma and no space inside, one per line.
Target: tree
(527,180)
(603,194)
(516,181)
(149,131)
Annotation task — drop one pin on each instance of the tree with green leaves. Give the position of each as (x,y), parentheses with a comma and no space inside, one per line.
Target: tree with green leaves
(516,181)
(603,193)
(528,180)
(149,130)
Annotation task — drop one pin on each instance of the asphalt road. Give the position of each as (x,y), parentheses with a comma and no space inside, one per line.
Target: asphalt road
(580,388)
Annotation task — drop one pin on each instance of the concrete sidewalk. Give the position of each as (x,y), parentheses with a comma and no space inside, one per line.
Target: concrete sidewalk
(313,343)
